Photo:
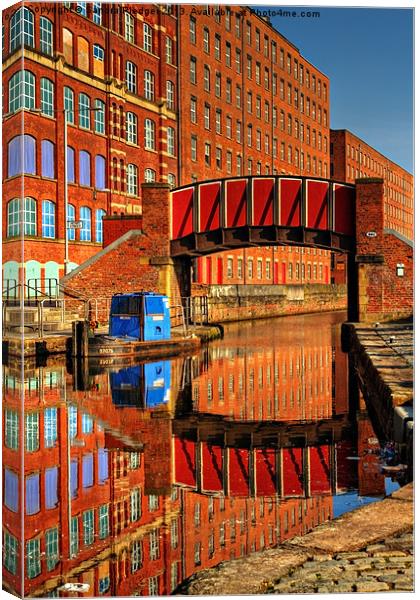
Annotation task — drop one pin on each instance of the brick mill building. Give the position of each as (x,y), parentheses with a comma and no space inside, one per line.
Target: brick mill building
(160,93)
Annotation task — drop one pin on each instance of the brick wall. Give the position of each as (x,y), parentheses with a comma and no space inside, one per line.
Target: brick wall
(382,294)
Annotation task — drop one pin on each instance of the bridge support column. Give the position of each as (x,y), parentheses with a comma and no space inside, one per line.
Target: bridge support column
(369,259)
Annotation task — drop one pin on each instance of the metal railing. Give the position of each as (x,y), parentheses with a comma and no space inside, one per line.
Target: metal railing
(196,309)
(30,292)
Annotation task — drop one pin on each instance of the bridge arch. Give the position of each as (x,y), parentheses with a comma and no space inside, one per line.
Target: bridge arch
(239,212)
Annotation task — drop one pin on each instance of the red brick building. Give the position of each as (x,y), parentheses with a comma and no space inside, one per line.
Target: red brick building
(352,158)
(114,74)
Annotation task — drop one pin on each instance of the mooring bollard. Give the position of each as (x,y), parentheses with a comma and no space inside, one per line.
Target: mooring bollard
(80,337)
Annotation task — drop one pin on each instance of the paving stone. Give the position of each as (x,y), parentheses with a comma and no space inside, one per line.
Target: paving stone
(371,586)
(389,553)
(404,583)
(351,555)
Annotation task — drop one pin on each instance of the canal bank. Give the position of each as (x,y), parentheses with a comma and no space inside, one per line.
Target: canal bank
(228,303)
(346,554)
(381,360)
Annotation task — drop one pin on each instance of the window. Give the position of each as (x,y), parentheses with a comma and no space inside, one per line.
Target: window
(230,268)
(48,219)
(129,27)
(51,548)
(21,91)
(104,584)
(10,550)
(218,85)
(135,504)
(11,429)
(47,159)
(149,175)
(97,13)
(100,213)
(88,527)
(206,40)
(132,179)
(31,432)
(238,165)
(259,268)
(154,586)
(193,148)
(131,76)
(21,147)
(228,54)
(229,161)
(11,490)
(238,60)
(46,35)
(219,158)
(149,85)
(74,536)
(70,165)
(33,558)
(193,70)
(131,127)
(193,30)
(170,95)
(13,217)
(147,38)
(258,73)
(169,50)
(84,111)
(50,427)
(136,556)
(99,172)
(197,553)
(149,134)
(103,521)
(171,180)
(207,154)
(171,141)
(218,121)
(84,168)
(206,78)
(86,218)
(154,544)
(228,91)
(21,29)
(217,46)
(99,116)
(238,96)
(98,52)
(207,116)
(250,268)
(69,104)
(32,500)
(47,97)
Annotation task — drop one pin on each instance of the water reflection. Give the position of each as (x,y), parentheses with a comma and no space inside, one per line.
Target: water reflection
(136,476)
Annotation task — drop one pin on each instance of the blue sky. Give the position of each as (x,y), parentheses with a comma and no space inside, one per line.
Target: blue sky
(368,55)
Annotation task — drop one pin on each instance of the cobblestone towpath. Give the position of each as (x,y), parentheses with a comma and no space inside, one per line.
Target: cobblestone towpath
(367,550)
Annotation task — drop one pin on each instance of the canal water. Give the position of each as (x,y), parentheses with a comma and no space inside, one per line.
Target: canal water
(136,476)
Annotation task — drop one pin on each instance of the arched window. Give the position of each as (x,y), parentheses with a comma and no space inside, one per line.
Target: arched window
(68,46)
(149,134)
(46,35)
(149,175)
(84,168)
(86,218)
(69,104)
(84,111)
(131,76)
(83,53)
(47,159)
(21,149)
(170,95)
(100,213)
(131,127)
(147,38)
(171,180)
(48,219)
(21,91)
(149,85)
(71,216)
(132,179)
(21,29)
(99,172)
(98,60)
(47,97)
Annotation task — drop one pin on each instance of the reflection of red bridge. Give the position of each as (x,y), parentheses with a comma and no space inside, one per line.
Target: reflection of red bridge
(230,213)
(288,472)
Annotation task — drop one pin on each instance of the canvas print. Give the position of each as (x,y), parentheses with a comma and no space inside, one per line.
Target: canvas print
(207,299)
